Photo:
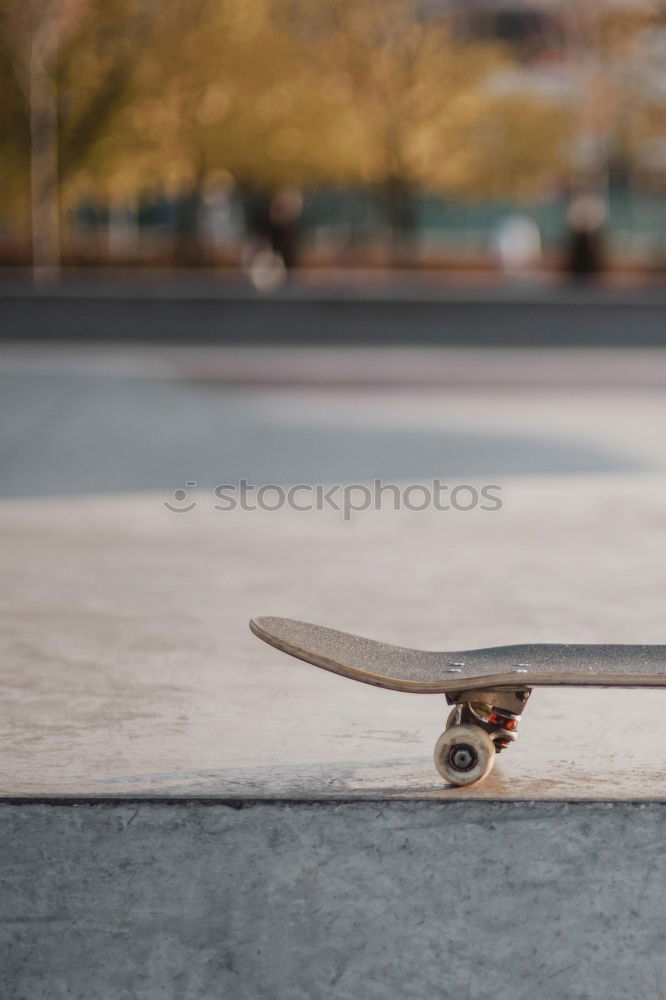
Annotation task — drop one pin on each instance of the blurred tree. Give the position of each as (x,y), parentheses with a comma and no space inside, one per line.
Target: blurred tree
(14,125)
(226,88)
(414,91)
(379,92)
(33,31)
(156,94)
(68,66)
(616,68)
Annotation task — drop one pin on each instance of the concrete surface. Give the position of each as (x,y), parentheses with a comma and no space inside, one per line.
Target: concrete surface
(213,313)
(359,901)
(128,667)
(74,421)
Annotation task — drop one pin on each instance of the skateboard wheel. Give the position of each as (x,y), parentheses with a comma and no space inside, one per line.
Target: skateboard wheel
(453,717)
(464,754)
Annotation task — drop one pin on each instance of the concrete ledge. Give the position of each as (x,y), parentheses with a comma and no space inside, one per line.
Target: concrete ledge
(351,900)
(219,316)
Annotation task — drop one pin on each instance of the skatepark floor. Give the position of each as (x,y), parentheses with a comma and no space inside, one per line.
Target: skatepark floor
(133,671)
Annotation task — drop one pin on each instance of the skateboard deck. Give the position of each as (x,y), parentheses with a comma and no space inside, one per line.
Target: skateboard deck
(428,672)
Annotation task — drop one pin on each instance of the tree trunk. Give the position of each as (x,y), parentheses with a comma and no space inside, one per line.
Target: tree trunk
(43,167)
(400,215)
(189,250)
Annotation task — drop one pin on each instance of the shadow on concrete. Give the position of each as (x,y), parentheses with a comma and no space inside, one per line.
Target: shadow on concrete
(72,434)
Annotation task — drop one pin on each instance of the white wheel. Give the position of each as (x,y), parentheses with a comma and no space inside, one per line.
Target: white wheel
(452,717)
(464,754)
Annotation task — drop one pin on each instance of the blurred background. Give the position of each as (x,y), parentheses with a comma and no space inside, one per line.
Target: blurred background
(328,240)
(493,138)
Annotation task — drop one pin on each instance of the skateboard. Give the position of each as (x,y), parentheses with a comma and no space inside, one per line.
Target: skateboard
(488,688)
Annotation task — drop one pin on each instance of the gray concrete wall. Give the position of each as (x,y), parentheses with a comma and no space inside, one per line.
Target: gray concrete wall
(355,900)
(586,317)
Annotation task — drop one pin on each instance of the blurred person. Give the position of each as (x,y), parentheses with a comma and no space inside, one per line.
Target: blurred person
(276,225)
(518,244)
(284,225)
(264,267)
(220,221)
(585,221)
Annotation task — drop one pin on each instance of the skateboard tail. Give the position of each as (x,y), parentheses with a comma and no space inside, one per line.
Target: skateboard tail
(263,628)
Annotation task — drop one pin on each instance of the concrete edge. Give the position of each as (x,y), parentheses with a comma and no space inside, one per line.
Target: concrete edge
(246,802)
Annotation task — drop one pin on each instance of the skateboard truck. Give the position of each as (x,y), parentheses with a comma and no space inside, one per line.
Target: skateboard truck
(481,725)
